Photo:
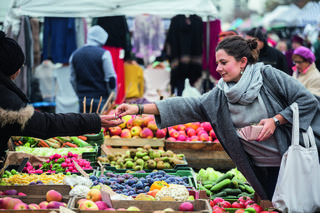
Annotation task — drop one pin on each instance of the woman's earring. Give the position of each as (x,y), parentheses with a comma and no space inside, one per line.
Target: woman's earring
(241,71)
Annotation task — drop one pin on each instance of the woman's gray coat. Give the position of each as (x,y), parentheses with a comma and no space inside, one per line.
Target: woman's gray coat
(213,107)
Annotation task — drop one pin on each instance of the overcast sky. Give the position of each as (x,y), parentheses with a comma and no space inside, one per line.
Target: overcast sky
(257,5)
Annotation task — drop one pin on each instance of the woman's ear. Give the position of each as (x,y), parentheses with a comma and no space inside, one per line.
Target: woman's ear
(244,61)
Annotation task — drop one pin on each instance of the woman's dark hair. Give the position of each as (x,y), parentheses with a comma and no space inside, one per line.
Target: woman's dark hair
(239,47)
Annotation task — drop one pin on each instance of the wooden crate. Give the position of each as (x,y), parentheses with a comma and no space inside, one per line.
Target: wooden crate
(121,145)
(37,190)
(37,200)
(202,154)
(202,206)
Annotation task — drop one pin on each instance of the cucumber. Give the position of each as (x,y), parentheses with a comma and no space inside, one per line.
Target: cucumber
(234,184)
(242,188)
(220,194)
(208,186)
(232,191)
(230,197)
(246,194)
(221,185)
(203,188)
(249,189)
(239,181)
(227,175)
(207,182)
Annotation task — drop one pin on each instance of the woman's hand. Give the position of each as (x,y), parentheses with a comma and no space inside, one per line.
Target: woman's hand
(268,129)
(126,109)
(110,121)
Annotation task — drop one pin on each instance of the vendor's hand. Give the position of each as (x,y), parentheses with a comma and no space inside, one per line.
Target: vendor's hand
(268,129)
(110,121)
(126,109)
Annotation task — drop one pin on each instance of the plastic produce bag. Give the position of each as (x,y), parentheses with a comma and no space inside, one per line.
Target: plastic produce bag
(189,91)
(298,185)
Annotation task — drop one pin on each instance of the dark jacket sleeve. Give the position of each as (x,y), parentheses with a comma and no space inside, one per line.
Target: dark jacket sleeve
(46,125)
(282,62)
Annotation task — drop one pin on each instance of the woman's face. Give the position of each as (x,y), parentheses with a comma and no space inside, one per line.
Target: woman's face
(228,67)
(300,63)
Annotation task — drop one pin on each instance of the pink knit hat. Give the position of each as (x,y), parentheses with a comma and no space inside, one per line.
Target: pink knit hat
(305,53)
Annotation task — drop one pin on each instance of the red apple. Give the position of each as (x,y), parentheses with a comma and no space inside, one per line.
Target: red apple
(125,133)
(187,125)
(181,138)
(191,132)
(199,129)
(94,195)
(147,119)
(174,133)
(152,125)
(80,201)
(181,127)
(194,138)
(206,126)
(136,130)
(20,206)
(215,141)
(116,130)
(21,194)
(182,132)
(146,133)
(212,134)
(195,125)
(204,137)
(160,133)
(43,204)
(101,205)
(129,123)
(11,202)
(53,195)
(33,206)
(88,205)
(55,205)
(171,139)
(202,131)
(137,121)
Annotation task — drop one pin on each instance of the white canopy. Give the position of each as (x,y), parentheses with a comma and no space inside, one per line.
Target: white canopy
(98,8)
(288,17)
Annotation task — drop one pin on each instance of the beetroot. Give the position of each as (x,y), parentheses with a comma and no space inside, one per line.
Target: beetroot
(186,206)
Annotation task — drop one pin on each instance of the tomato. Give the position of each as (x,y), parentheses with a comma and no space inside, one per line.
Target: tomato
(248,202)
(239,211)
(243,199)
(258,208)
(237,205)
(217,200)
(211,203)
(224,204)
(217,209)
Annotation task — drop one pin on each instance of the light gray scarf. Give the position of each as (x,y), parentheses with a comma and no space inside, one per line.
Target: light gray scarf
(247,88)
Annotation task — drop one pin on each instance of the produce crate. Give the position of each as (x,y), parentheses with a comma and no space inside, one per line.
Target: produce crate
(202,153)
(120,145)
(91,156)
(37,190)
(179,173)
(37,200)
(152,206)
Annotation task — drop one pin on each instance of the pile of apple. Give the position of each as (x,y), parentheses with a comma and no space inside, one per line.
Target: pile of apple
(196,131)
(53,201)
(145,126)
(136,126)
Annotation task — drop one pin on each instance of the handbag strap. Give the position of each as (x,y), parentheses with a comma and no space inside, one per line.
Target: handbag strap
(295,124)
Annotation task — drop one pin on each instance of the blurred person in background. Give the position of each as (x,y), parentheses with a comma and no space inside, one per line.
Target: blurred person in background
(227,33)
(92,72)
(282,46)
(268,55)
(316,47)
(305,69)
(296,41)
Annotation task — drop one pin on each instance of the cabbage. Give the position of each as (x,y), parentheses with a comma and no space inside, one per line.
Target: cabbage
(208,174)
(237,174)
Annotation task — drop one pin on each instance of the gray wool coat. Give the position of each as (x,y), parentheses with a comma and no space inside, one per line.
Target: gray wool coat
(213,107)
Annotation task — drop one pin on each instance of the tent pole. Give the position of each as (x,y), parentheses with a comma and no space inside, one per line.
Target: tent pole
(207,84)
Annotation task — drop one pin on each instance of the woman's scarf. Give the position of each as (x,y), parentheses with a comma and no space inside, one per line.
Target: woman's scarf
(247,88)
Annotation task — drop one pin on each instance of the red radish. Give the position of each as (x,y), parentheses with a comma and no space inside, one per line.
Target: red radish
(186,206)
(217,200)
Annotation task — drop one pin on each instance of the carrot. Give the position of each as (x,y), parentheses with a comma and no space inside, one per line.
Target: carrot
(20,142)
(16,143)
(43,143)
(63,145)
(70,144)
(82,137)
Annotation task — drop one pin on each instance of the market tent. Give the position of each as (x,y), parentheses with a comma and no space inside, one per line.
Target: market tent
(99,8)
(310,14)
(288,17)
(269,17)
